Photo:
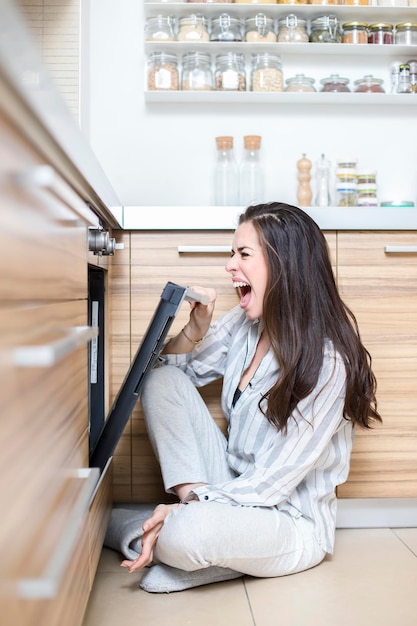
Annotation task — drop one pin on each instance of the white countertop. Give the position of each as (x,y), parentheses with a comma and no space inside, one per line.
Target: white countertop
(225,218)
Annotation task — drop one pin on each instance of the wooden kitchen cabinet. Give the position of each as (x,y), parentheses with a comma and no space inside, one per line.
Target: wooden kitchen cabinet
(55,511)
(377,277)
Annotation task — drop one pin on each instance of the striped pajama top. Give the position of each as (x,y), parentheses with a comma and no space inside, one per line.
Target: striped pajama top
(295,472)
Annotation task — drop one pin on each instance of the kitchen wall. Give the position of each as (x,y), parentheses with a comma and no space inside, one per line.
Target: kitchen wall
(55,27)
(162,153)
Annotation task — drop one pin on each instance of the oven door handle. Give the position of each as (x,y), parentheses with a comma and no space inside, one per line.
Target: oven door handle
(49,354)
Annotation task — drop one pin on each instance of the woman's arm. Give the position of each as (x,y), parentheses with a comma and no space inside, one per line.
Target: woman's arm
(196,327)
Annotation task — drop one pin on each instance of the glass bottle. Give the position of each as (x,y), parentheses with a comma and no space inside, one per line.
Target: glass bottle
(251,178)
(413,74)
(225,183)
(322,174)
(404,84)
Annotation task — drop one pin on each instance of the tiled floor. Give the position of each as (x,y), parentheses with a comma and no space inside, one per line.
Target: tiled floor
(370,581)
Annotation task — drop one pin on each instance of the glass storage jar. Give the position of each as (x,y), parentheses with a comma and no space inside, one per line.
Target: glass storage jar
(406,34)
(301,83)
(196,72)
(230,72)
(413,74)
(325,2)
(193,28)
(266,74)
(355,32)
(292,30)
(325,29)
(357,3)
(335,83)
(381,33)
(225,28)
(253,1)
(346,182)
(163,72)
(160,28)
(260,29)
(369,84)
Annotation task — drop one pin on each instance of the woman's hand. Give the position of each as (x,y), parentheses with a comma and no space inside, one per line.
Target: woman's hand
(201,314)
(151,529)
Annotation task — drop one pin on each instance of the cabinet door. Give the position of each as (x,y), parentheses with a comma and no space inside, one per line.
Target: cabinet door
(377,274)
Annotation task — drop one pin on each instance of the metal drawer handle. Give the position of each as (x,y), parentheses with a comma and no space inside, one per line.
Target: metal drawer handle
(45,177)
(204,249)
(400,249)
(47,585)
(49,354)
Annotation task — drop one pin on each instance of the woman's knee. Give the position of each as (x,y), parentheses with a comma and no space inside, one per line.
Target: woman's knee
(162,381)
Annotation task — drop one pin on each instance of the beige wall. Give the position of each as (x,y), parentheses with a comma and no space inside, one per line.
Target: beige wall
(55,26)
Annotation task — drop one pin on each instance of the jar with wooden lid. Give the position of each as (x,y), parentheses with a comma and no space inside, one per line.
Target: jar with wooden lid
(196,72)
(266,74)
(300,83)
(325,29)
(335,83)
(160,28)
(292,29)
(226,28)
(406,34)
(381,33)
(163,72)
(193,28)
(369,84)
(230,72)
(260,29)
(355,32)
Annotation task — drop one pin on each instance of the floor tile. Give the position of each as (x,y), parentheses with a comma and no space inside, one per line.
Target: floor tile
(116,599)
(371,579)
(409,537)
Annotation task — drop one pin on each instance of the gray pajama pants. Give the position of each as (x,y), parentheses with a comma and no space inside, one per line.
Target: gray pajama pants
(260,541)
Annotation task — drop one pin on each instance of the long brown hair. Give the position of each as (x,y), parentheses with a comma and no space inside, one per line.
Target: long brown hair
(302,307)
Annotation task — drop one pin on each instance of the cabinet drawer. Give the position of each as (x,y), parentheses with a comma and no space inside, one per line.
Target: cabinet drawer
(44,227)
(45,413)
(98,518)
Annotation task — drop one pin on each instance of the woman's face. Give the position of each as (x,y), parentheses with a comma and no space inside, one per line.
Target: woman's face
(249,270)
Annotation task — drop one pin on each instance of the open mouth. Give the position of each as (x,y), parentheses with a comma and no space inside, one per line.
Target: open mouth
(244,291)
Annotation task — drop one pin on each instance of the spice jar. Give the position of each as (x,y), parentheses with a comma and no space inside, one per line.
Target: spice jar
(381,33)
(160,28)
(163,72)
(367,188)
(230,73)
(406,34)
(266,72)
(413,74)
(369,84)
(225,28)
(193,28)
(292,30)
(260,29)
(335,83)
(346,182)
(301,83)
(196,72)
(355,32)
(325,29)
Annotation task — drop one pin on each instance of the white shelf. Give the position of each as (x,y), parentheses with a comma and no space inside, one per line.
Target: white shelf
(252,97)
(370,14)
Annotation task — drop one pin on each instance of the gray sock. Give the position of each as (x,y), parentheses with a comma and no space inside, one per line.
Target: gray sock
(162,578)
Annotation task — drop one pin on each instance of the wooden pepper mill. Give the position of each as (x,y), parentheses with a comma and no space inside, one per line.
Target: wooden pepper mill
(304,193)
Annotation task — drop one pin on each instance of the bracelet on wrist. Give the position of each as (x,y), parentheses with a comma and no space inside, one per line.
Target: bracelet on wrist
(189,338)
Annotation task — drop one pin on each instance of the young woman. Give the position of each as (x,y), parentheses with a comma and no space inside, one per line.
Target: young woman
(296,381)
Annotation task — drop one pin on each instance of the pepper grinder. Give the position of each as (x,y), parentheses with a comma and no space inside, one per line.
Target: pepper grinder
(304,193)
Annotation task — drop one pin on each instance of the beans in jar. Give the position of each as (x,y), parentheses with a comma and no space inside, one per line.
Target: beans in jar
(163,72)
(334,83)
(230,73)
(292,30)
(266,72)
(260,29)
(355,32)
(381,33)
(369,84)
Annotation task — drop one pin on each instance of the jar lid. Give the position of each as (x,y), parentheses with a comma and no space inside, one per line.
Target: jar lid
(193,19)
(259,21)
(265,57)
(381,26)
(324,20)
(252,142)
(225,20)
(299,79)
(406,25)
(196,56)
(355,25)
(237,57)
(292,21)
(334,78)
(163,58)
(224,143)
(398,204)
(369,80)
